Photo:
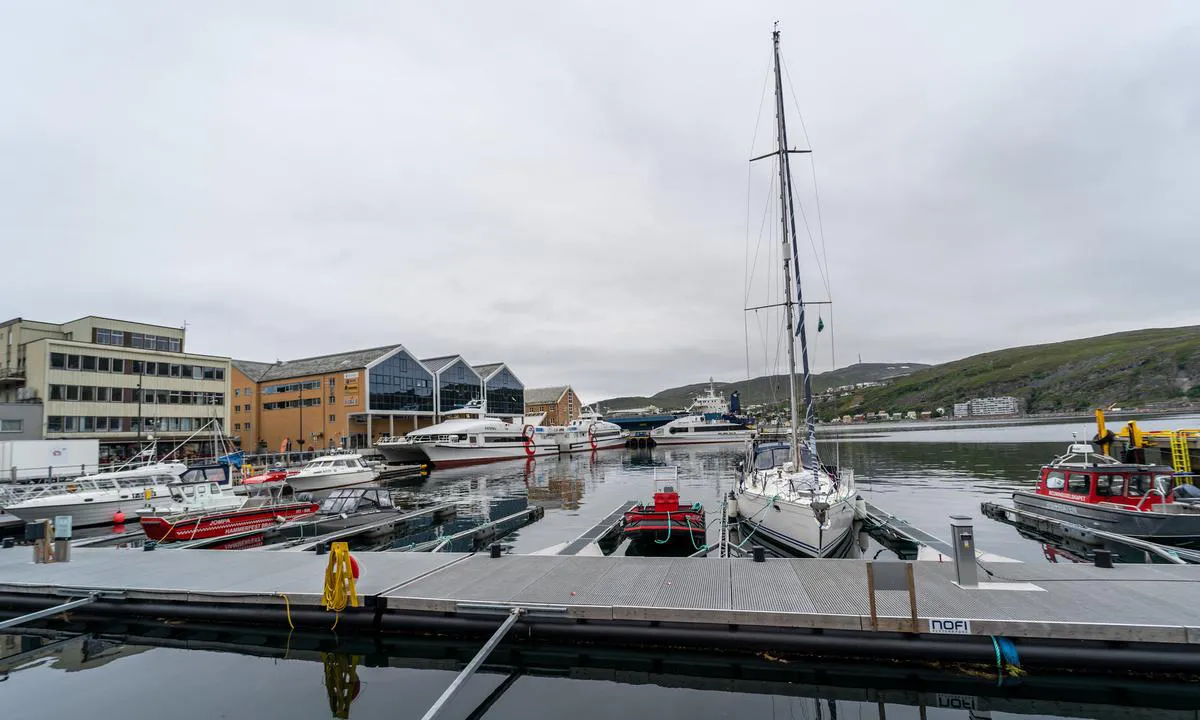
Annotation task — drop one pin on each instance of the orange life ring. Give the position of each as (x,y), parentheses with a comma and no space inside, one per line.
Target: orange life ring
(527,439)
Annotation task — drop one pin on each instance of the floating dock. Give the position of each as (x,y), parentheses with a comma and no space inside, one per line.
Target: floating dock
(1127,618)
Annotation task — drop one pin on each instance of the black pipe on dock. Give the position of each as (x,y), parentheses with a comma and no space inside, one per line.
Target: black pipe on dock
(1082,656)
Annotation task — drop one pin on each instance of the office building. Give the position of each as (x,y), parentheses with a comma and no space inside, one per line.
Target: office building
(118,381)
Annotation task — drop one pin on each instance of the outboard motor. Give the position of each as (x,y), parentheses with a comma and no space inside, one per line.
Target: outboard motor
(1186,493)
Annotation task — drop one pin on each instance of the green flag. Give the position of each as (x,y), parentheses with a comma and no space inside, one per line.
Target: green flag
(820,324)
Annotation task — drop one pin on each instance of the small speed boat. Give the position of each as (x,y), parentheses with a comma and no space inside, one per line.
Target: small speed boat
(1088,488)
(192,497)
(336,470)
(665,526)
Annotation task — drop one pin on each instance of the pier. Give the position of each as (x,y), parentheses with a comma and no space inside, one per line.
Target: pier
(1131,617)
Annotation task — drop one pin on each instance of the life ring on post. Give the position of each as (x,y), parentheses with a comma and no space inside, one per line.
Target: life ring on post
(592,435)
(527,439)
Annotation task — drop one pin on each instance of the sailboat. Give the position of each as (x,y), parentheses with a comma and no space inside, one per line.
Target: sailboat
(786,496)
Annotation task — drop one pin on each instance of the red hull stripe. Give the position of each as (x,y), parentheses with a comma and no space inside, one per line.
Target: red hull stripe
(212,526)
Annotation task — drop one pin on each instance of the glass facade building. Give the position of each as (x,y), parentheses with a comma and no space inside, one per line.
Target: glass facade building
(400,383)
(458,384)
(505,394)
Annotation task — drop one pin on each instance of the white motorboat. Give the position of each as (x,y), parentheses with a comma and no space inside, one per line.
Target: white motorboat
(188,497)
(408,450)
(590,432)
(786,495)
(708,421)
(98,499)
(335,470)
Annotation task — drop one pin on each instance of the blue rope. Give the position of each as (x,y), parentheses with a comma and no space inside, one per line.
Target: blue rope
(1006,655)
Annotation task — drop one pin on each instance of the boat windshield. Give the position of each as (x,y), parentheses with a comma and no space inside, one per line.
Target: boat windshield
(354,500)
(773,456)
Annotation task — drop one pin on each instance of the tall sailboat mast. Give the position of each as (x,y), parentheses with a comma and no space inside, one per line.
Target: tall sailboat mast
(787,217)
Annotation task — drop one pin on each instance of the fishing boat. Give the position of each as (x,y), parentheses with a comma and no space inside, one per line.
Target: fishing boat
(219,524)
(786,495)
(187,497)
(100,499)
(1089,488)
(590,432)
(336,470)
(665,526)
(710,420)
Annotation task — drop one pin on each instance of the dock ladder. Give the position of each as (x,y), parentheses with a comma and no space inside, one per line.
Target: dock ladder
(1180,458)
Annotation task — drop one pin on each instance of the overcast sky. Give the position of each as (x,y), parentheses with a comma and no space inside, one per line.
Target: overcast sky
(564,186)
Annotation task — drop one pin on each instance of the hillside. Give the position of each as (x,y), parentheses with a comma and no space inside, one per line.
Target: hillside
(1128,369)
(765,389)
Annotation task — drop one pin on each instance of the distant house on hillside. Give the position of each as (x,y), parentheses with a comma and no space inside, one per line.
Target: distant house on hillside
(559,403)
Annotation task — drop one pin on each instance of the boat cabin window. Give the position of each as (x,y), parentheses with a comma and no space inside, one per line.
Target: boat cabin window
(1079,483)
(1056,480)
(201,489)
(1139,485)
(1110,485)
(767,458)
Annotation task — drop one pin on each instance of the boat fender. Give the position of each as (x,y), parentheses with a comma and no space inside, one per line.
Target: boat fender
(149,494)
(118,517)
(354,567)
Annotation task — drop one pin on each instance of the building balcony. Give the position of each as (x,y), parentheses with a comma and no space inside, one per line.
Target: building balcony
(10,377)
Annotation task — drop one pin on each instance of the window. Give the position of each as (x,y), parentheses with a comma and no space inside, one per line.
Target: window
(237,392)
(164,369)
(505,394)
(72,362)
(247,426)
(210,373)
(116,337)
(12,426)
(1110,485)
(1056,480)
(389,391)
(237,426)
(118,365)
(249,391)
(101,394)
(333,418)
(58,361)
(102,336)
(175,345)
(88,362)
(237,408)
(87,393)
(138,340)
(54,423)
(1139,485)
(103,364)
(72,392)
(162,343)
(102,424)
(1079,483)
(57,392)
(174,370)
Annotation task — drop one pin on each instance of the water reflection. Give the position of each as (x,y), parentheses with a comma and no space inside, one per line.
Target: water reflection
(249,672)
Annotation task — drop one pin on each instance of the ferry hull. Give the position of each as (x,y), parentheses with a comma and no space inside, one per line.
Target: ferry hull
(330,481)
(445,455)
(403,453)
(716,438)
(794,528)
(585,445)
(1169,528)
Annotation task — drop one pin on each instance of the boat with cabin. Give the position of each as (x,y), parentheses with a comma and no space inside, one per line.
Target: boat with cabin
(1089,488)
(470,437)
(710,420)
(260,511)
(335,470)
(590,432)
(786,495)
(100,499)
(665,526)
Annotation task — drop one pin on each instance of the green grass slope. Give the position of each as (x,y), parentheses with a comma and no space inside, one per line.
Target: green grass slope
(765,389)
(1128,369)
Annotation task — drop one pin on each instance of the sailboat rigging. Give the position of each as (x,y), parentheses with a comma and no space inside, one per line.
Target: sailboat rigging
(785,492)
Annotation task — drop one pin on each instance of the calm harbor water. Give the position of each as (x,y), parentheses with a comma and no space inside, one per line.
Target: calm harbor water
(922,476)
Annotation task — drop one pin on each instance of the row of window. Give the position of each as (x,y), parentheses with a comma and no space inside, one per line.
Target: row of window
(1107,484)
(243,391)
(90,393)
(293,387)
(308,402)
(64,361)
(146,341)
(238,426)
(88,423)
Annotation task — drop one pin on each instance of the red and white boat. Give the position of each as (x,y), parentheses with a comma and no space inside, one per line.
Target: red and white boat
(269,477)
(665,527)
(214,525)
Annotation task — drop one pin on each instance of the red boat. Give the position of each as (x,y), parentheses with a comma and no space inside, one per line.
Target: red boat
(665,527)
(268,477)
(197,527)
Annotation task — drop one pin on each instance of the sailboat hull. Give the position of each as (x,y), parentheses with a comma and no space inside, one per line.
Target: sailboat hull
(792,526)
